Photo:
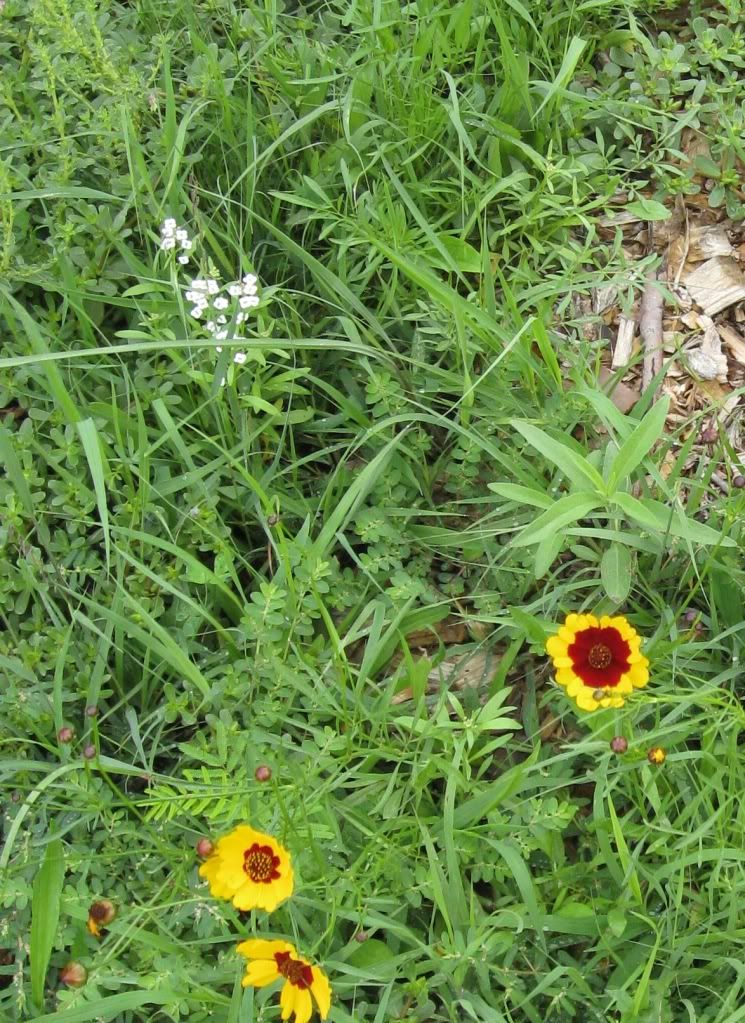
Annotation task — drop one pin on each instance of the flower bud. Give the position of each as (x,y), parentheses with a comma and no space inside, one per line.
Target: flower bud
(361,936)
(618,744)
(262,773)
(89,751)
(739,482)
(656,756)
(91,711)
(73,975)
(66,734)
(709,435)
(100,914)
(204,848)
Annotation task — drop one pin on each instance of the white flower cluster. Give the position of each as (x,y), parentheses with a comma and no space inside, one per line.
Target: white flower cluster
(171,235)
(207,299)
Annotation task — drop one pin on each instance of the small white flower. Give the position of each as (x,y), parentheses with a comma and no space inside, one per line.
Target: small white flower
(197,311)
(221,303)
(193,296)
(250,279)
(186,244)
(240,318)
(181,234)
(234,290)
(168,242)
(213,287)
(249,289)
(199,285)
(221,335)
(218,348)
(222,382)
(169,226)
(221,320)
(248,301)
(240,358)
(210,325)
(183,260)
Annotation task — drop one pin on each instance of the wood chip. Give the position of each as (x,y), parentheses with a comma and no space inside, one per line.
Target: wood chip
(707,360)
(734,341)
(622,396)
(716,284)
(624,341)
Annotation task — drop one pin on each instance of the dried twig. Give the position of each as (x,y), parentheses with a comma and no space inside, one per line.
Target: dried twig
(650,329)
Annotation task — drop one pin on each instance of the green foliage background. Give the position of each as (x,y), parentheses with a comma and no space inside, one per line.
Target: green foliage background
(226,572)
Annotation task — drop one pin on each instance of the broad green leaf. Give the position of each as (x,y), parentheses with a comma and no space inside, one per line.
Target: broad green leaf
(648,209)
(636,447)
(522,495)
(573,465)
(615,572)
(656,516)
(561,513)
(463,257)
(45,905)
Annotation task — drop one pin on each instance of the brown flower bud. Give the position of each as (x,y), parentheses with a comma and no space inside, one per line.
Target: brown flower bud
(103,912)
(618,744)
(66,734)
(739,482)
(657,756)
(361,936)
(709,435)
(263,773)
(89,751)
(204,848)
(91,711)
(73,975)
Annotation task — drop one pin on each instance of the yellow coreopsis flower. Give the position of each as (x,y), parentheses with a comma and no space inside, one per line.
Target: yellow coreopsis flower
(275,960)
(598,660)
(250,868)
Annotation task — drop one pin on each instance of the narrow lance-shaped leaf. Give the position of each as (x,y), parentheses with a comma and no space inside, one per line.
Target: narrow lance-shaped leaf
(45,906)
(638,445)
(561,513)
(573,465)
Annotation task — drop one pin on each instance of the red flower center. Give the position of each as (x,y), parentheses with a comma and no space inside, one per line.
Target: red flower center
(599,657)
(299,974)
(260,863)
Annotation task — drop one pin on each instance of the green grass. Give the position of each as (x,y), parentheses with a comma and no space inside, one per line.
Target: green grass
(228,571)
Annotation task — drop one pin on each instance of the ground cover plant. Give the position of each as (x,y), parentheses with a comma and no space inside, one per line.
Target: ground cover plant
(360,656)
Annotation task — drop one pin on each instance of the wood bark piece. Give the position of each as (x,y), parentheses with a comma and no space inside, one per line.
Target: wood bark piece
(465,670)
(650,329)
(624,341)
(716,284)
